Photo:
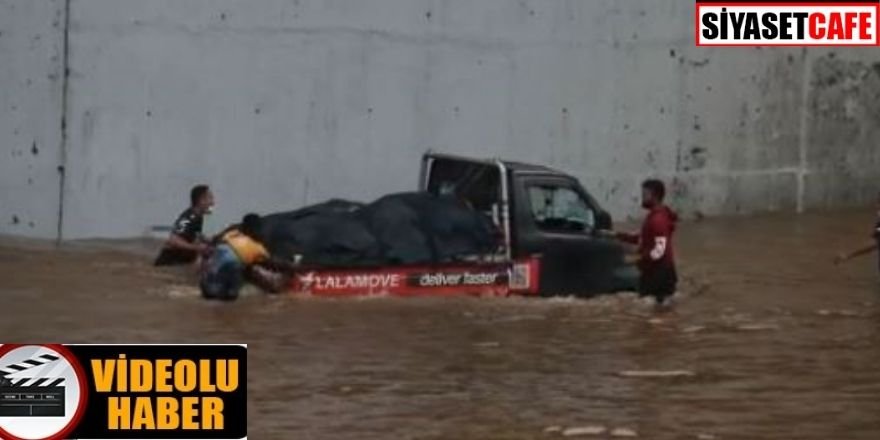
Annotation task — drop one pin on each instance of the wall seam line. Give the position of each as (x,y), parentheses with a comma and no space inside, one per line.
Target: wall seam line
(62,166)
(804,131)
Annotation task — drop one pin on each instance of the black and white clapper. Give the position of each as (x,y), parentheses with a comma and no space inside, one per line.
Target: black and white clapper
(22,395)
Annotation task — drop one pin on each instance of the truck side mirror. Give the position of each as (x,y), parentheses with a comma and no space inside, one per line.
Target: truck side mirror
(603,221)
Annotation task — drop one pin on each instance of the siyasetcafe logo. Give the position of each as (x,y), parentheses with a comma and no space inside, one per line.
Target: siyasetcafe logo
(123,391)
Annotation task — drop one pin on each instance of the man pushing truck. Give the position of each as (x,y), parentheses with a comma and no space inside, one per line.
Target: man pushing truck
(656,257)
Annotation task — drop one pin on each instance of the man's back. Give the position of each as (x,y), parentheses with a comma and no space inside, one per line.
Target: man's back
(187,227)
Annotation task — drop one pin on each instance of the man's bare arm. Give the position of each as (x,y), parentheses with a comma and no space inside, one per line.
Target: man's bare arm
(628,237)
(278,265)
(864,250)
(177,242)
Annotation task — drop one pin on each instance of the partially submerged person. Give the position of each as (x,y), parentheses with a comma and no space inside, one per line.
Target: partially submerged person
(239,256)
(656,257)
(186,243)
(868,248)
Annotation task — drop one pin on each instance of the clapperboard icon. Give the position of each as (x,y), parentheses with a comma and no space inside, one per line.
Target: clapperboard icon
(23,396)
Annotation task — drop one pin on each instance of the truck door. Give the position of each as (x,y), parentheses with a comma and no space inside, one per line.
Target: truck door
(475,183)
(555,218)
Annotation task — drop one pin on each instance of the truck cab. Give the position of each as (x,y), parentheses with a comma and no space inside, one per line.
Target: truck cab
(539,212)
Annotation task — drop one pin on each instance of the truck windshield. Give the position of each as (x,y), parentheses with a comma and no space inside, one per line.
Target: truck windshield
(560,209)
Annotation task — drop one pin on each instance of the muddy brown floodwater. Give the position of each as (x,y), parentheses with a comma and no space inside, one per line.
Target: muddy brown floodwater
(769,341)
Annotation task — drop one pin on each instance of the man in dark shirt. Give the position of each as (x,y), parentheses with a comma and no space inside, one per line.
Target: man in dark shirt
(868,247)
(186,243)
(656,257)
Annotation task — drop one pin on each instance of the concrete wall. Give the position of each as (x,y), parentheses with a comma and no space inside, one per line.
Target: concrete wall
(279,103)
(31,46)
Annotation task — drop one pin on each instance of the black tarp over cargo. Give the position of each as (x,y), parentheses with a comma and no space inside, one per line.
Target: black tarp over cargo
(406,228)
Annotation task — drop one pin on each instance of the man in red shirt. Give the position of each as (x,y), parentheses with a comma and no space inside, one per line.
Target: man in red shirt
(656,257)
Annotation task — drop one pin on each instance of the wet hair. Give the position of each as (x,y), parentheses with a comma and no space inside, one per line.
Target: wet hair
(252,225)
(657,188)
(197,192)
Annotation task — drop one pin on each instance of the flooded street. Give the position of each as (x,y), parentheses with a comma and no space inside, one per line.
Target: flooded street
(769,340)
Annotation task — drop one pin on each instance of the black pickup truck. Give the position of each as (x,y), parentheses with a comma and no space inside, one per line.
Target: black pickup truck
(474,227)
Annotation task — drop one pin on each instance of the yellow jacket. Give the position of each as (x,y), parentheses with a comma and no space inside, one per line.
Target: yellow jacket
(249,251)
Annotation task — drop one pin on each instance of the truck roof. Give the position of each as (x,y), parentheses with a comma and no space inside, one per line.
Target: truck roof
(512,166)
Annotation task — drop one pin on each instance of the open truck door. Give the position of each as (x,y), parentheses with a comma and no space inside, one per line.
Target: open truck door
(482,185)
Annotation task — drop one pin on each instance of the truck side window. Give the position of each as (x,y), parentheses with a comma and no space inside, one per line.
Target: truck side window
(560,209)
